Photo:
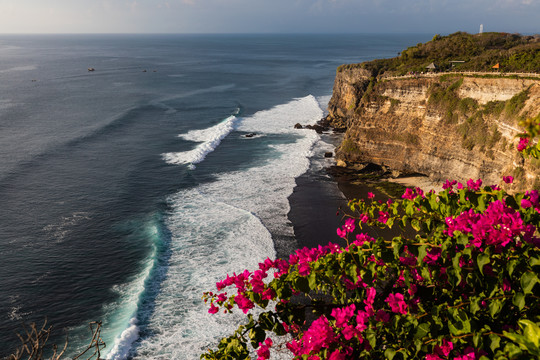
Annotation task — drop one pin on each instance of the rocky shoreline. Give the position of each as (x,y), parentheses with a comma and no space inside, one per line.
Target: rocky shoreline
(319,200)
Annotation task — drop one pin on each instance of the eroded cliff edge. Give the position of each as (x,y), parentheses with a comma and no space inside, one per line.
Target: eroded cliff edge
(446,126)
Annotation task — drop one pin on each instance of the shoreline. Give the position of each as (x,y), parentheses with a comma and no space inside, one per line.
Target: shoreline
(319,201)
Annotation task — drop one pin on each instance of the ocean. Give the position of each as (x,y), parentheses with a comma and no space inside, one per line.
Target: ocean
(127,191)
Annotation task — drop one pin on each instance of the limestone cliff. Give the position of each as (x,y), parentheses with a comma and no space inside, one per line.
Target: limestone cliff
(451,126)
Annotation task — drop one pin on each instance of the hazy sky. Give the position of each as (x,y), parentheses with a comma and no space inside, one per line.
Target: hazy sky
(263,16)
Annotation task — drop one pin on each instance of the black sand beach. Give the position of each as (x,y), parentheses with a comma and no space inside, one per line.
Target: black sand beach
(319,202)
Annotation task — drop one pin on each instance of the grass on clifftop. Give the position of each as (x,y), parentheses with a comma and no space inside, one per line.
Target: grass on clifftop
(480,52)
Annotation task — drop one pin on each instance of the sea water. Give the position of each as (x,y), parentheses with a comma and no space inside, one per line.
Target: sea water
(129,190)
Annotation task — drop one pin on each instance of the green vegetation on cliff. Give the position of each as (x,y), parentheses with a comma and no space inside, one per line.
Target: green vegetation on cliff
(479,52)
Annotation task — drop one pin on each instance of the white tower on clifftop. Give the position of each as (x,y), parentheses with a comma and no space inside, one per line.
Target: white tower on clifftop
(481,28)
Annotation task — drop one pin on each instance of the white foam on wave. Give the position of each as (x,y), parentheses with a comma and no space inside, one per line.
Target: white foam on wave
(217,88)
(122,315)
(6,104)
(223,227)
(209,138)
(19,68)
(323,103)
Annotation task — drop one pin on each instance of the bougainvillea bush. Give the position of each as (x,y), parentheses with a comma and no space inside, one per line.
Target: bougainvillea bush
(459,280)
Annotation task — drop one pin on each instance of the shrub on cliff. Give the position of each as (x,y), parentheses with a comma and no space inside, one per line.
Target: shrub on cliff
(513,53)
(459,281)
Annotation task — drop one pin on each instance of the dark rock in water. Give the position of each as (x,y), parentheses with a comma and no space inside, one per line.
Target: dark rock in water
(250,135)
(298,126)
(318,128)
(328,154)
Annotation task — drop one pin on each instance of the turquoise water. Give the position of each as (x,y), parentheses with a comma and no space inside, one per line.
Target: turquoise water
(128,191)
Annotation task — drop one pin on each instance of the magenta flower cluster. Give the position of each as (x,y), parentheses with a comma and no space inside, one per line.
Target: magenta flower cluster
(381,292)
(499,225)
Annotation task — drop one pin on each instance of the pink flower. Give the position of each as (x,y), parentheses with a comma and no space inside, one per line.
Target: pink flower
(304,269)
(213,309)
(468,354)
(244,303)
(445,348)
(449,184)
(349,332)
(432,255)
(337,355)
(433,357)
(361,319)
(507,286)
(371,292)
(412,289)
(526,203)
(382,316)
(523,143)
(319,335)
(370,195)
(347,228)
(409,194)
(474,185)
(383,217)
(264,349)
(508,179)
(268,294)
(396,303)
(343,315)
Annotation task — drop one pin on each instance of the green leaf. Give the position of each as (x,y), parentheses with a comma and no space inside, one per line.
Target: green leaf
(409,210)
(534,261)
(427,224)
(477,337)
(371,337)
(422,252)
(495,341)
(257,335)
(422,330)
(284,292)
(302,283)
(495,307)
(461,325)
(474,305)
(519,300)
(482,260)
(512,350)
(433,202)
(390,353)
(404,222)
(279,330)
(531,332)
(266,321)
(352,271)
(511,266)
(482,203)
(528,280)
(312,280)
(462,239)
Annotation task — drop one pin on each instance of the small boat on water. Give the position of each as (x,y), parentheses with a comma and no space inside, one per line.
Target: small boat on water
(91,69)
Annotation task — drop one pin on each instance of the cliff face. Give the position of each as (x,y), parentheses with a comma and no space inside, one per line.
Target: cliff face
(447,127)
